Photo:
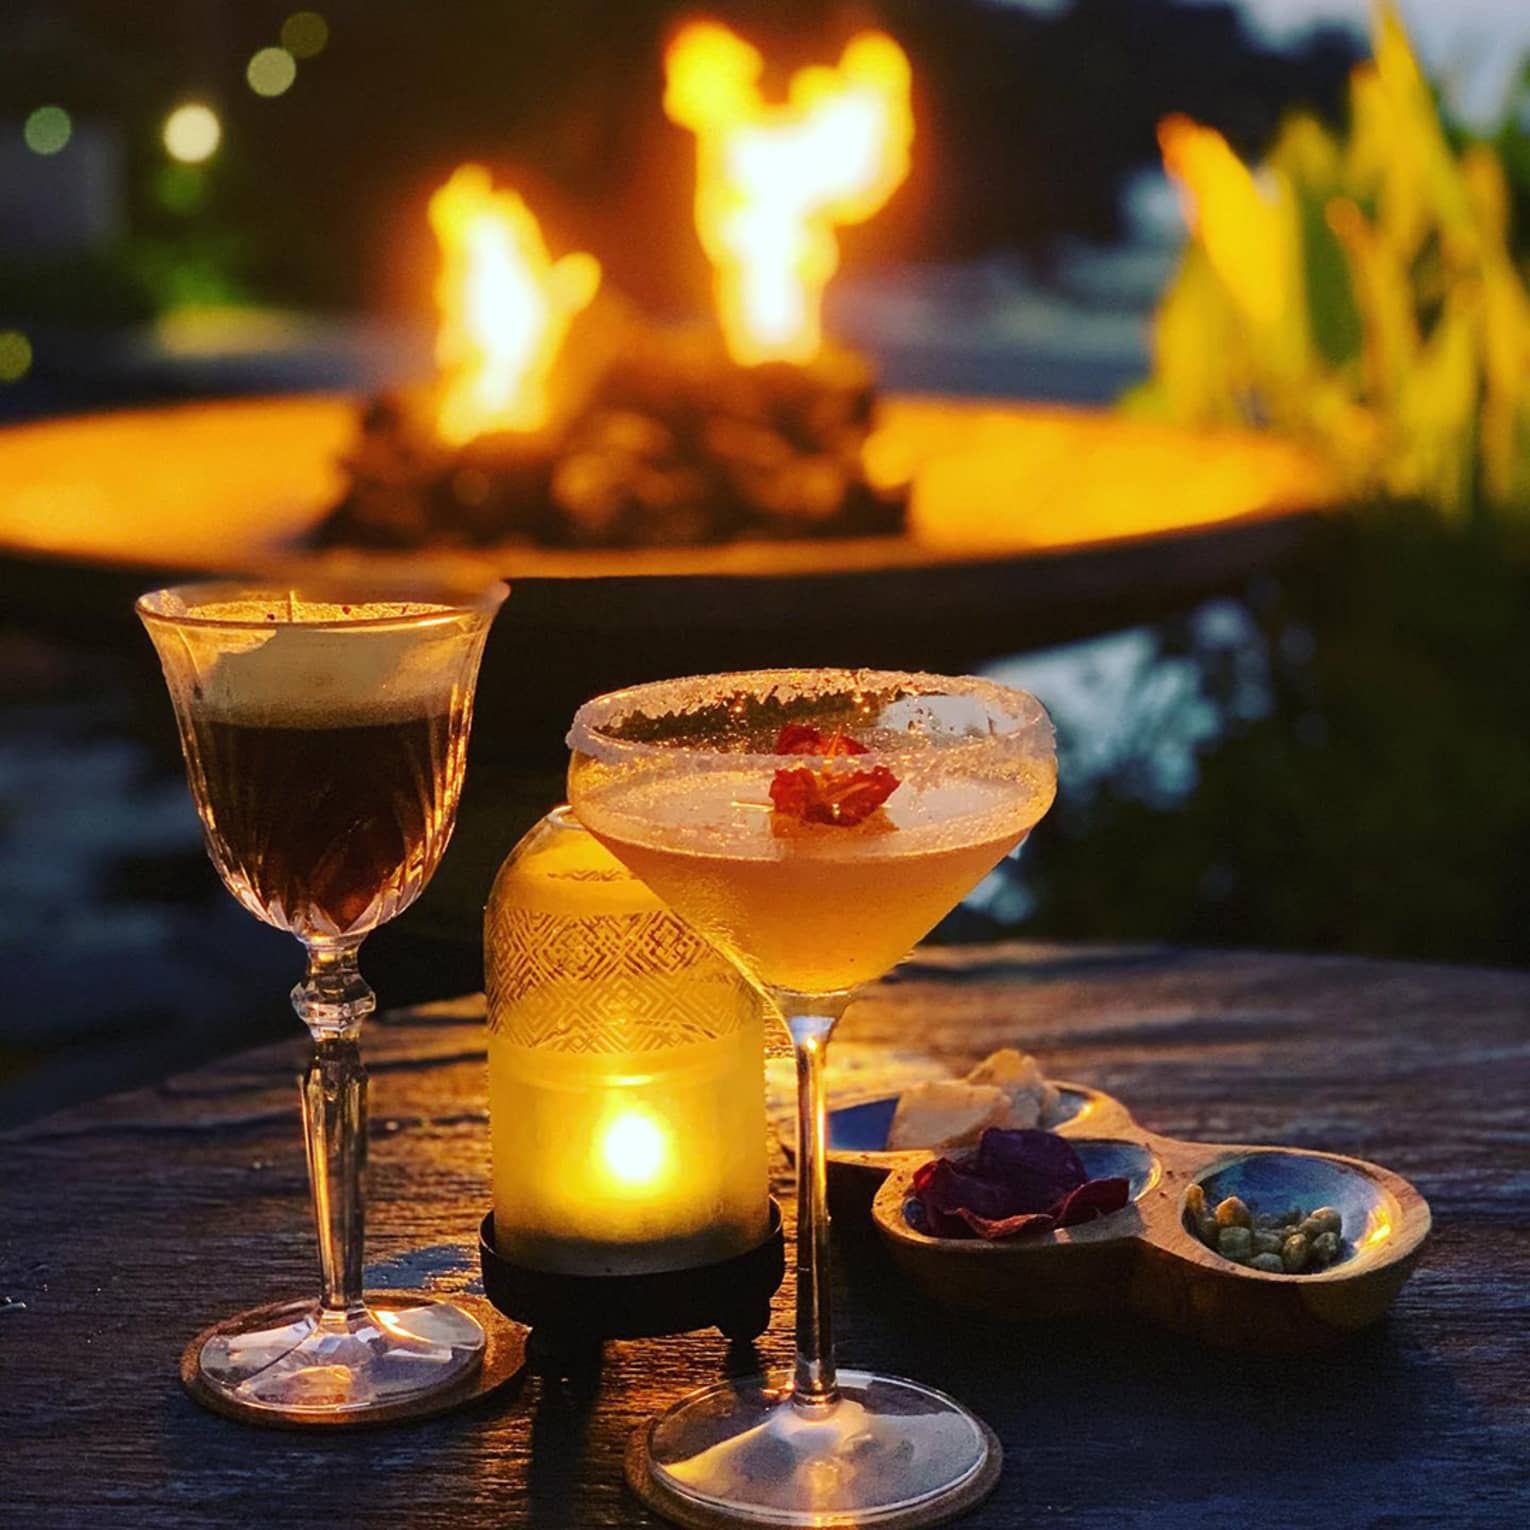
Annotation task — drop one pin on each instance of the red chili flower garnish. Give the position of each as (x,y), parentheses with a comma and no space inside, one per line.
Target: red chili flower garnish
(840,798)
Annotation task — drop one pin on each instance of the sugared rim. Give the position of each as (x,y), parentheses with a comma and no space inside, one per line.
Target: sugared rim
(1029,724)
(442,601)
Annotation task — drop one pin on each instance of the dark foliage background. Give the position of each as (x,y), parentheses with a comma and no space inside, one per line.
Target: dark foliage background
(1027,124)
(1364,781)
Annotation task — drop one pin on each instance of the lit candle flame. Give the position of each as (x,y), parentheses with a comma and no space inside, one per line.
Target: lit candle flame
(505,304)
(634,1150)
(773,181)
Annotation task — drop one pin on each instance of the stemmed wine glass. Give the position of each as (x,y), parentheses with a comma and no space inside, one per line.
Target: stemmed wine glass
(325,733)
(813,824)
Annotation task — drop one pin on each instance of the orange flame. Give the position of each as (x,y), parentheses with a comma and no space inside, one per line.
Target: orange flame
(772,181)
(505,304)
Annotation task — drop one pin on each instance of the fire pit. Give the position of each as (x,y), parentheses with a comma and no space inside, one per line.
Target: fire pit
(663,502)
(1026,524)
(559,417)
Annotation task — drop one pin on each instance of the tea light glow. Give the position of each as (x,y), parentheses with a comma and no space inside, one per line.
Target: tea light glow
(635,1150)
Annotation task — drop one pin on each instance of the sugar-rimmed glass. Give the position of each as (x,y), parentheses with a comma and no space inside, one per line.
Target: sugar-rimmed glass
(325,727)
(676,779)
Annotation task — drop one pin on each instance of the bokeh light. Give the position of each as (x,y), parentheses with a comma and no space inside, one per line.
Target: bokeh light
(15,355)
(271,72)
(48,129)
(304,34)
(192,133)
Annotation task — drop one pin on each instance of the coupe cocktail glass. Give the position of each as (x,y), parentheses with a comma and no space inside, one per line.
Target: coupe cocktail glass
(676,779)
(325,733)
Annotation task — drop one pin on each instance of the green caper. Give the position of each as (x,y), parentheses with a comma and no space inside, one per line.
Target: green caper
(1235,1243)
(1233,1213)
(1293,1242)
(1325,1249)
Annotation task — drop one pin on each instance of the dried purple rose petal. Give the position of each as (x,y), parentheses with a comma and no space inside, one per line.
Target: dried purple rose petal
(1039,1166)
(946,1191)
(1005,1227)
(1095,1198)
(1017,1181)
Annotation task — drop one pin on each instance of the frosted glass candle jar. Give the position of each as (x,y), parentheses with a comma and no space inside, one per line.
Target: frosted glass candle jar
(626,1072)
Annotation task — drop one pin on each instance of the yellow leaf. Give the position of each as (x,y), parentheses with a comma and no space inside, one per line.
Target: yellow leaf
(1380,282)
(1234,220)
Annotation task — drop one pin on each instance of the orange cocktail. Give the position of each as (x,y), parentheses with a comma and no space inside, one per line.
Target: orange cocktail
(813,824)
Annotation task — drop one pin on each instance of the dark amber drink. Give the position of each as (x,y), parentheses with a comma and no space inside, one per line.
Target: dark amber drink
(326,829)
(325,728)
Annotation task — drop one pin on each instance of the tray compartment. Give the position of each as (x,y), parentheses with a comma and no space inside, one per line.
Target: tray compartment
(1194,1290)
(859,1158)
(862,1126)
(1271,1179)
(1073,1270)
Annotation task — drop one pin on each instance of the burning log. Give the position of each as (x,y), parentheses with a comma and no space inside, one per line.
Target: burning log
(675,445)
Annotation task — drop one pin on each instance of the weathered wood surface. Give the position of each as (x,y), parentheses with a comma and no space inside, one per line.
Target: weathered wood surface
(126,1225)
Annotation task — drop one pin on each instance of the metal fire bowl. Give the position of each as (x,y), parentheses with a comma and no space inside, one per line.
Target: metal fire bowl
(1029,525)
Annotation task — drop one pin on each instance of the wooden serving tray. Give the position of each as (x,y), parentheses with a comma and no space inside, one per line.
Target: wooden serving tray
(1145,1258)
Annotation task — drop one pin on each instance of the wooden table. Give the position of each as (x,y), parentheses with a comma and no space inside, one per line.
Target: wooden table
(127,1224)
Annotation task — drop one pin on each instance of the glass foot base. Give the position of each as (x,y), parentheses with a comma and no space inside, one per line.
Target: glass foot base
(296,1362)
(889,1452)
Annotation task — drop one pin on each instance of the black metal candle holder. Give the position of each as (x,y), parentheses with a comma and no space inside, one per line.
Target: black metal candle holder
(572,1312)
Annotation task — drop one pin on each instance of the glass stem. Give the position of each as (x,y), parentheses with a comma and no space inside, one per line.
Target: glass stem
(332,1000)
(810,1018)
